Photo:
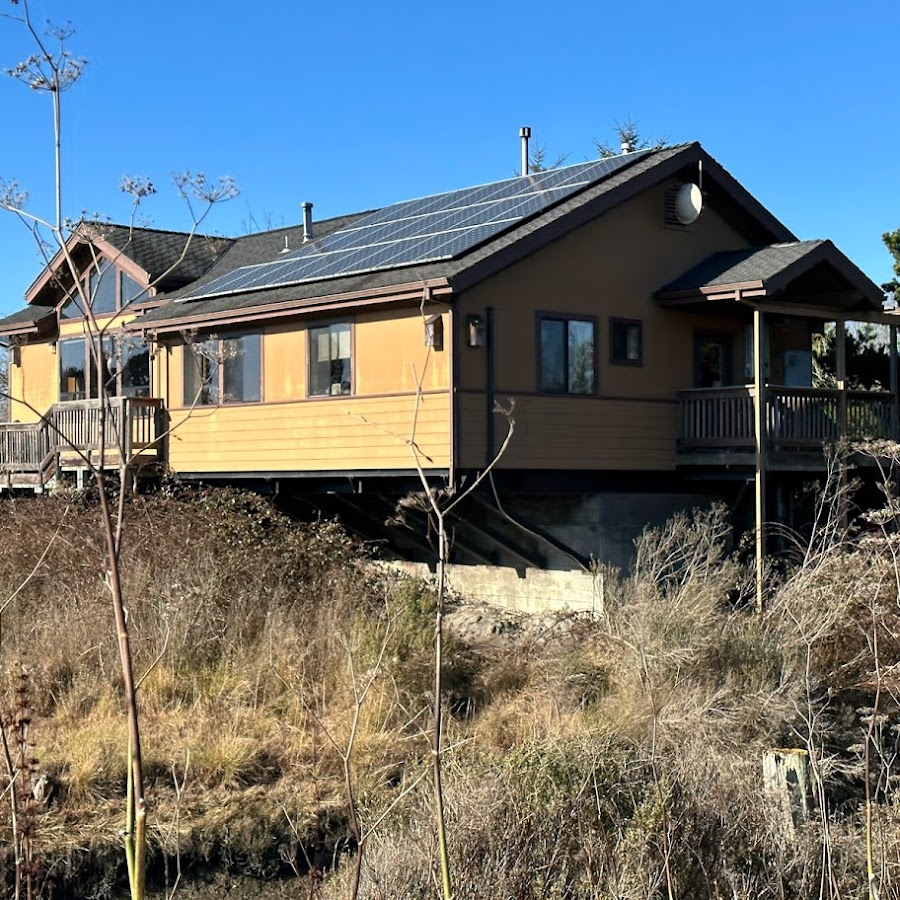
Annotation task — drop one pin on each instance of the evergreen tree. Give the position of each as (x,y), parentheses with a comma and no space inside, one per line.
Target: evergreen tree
(892,242)
(628,133)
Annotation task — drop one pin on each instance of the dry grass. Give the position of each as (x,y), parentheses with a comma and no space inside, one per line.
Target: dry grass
(591,757)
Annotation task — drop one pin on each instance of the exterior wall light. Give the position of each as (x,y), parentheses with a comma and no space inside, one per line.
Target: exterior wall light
(475,331)
(434,332)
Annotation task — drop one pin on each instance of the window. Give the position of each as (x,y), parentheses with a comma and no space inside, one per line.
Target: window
(712,359)
(107,289)
(330,372)
(567,355)
(125,368)
(626,342)
(223,370)
(72,370)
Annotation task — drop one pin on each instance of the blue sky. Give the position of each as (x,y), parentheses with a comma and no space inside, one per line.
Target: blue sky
(354,105)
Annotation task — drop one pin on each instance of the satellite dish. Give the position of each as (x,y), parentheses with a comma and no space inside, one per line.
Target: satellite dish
(688,204)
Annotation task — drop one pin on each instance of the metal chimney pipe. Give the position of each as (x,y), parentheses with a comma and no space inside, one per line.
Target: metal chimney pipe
(626,145)
(306,206)
(524,133)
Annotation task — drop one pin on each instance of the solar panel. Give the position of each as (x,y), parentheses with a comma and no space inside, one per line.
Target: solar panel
(429,229)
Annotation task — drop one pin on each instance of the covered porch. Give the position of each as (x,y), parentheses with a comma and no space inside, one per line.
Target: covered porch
(762,391)
(770,405)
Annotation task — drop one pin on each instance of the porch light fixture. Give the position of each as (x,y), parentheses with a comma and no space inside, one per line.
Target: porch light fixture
(434,332)
(475,331)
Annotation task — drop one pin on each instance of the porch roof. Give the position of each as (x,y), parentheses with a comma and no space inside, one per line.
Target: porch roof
(813,274)
(26,321)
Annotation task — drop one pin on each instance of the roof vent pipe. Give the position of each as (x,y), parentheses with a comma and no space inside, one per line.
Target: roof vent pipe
(524,133)
(626,145)
(306,206)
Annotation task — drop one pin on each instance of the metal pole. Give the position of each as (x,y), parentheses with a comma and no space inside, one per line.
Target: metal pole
(524,134)
(892,331)
(761,431)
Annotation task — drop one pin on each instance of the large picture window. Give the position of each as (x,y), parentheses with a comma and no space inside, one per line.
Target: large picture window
(108,290)
(567,355)
(125,368)
(330,371)
(223,370)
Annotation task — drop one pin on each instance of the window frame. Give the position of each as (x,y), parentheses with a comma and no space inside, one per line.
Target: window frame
(72,296)
(594,322)
(616,321)
(187,354)
(91,390)
(312,326)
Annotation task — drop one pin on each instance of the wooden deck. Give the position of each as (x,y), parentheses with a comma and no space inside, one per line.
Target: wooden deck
(70,437)
(716,426)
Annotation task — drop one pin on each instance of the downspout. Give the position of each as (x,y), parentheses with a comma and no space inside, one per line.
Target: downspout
(489,392)
(454,395)
(892,331)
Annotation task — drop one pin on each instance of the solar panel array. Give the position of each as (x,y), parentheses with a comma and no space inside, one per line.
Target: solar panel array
(430,229)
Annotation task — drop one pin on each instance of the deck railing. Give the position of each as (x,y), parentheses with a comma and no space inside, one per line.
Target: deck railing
(23,448)
(70,434)
(723,418)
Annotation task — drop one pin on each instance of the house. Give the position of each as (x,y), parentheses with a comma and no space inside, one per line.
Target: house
(650,320)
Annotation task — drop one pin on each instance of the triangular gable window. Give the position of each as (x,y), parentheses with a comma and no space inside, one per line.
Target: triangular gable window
(108,290)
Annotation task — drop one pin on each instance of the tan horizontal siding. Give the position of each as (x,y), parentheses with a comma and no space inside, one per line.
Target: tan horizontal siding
(312,435)
(573,433)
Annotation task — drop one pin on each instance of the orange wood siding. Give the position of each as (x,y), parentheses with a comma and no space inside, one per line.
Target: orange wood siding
(289,432)
(333,434)
(35,382)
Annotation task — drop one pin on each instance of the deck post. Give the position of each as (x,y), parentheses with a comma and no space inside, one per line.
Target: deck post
(892,350)
(761,434)
(840,372)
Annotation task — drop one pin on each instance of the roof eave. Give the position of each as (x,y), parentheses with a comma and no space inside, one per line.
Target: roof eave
(436,287)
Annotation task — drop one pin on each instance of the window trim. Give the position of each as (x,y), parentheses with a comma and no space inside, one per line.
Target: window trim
(623,361)
(594,321)
(90,372)
(327,323)
(188,403)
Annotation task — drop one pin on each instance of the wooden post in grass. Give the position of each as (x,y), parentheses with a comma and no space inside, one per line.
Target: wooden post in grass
(786,781)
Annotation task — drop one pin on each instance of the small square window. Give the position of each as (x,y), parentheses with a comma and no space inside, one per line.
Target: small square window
(626,342)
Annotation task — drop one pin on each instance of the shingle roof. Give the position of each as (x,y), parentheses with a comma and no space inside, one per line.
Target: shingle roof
(31,315)
(775,267)
(262,247)
(460,272)
(157,251)
(742,266)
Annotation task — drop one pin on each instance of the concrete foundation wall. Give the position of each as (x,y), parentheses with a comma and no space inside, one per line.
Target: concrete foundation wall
(602,526)
(534,592)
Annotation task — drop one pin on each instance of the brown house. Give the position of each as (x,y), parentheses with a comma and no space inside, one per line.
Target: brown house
(651,321)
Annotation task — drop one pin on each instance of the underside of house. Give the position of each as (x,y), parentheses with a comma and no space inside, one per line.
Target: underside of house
(615,341)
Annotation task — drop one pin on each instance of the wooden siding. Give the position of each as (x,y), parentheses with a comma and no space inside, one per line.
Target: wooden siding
(609,268)
(332,434)
(573,433)
(35,382)
(289,432)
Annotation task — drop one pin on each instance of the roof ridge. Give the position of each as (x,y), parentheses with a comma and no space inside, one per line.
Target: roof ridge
(147,229)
